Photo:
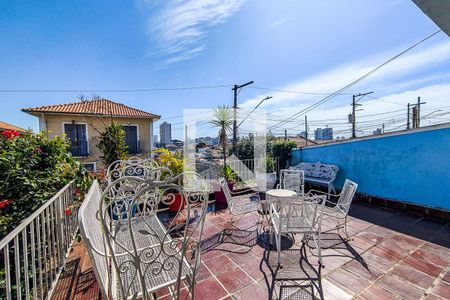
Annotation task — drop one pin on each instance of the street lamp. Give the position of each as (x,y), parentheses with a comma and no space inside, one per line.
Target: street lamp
(260,102)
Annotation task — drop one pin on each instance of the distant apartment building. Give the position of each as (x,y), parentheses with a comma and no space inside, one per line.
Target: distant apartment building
(207,140)
(155,140)
(165,133)
(323,134)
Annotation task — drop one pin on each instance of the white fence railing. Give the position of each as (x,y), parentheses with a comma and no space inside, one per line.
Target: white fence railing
(35,252)
(245,168)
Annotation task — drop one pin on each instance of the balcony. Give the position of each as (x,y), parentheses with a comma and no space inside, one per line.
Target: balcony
(392,255)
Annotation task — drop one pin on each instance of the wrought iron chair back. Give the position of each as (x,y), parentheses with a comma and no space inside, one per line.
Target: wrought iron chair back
(293,180)
(346,197)
(133,166)
(152,248)
(296,215)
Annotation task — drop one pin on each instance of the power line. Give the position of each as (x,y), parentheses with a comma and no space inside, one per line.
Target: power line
(112,90)
(290,92)
(331,96)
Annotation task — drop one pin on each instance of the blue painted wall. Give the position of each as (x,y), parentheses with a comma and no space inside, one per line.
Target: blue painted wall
(412,167)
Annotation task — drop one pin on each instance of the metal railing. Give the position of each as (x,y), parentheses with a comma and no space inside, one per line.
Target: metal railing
(246,167)
(35,251)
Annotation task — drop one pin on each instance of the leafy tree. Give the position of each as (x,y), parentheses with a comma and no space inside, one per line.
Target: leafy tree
(245,148)
(112,144)
(282,149)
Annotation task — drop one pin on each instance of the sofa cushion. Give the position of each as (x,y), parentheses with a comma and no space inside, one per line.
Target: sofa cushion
(318,170)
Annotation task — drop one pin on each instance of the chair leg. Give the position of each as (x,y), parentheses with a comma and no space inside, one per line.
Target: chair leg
(270,235)
(278,239)
(332,188)
(345,229)
(318,248)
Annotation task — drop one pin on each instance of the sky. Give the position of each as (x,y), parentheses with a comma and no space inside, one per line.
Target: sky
(303,49)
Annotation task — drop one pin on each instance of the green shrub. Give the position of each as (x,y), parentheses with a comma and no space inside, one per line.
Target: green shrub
(32,169)
(282,149)
(269,164)
(112,144)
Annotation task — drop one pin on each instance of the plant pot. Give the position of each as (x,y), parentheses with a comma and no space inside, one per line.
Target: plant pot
(177,204)
(219,195)
(265,181)
(119,208)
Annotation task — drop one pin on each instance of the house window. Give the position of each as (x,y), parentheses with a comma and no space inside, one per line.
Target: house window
(77,134)
(132,138)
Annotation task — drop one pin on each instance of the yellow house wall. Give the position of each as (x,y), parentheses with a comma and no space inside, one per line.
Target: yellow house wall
(55,124)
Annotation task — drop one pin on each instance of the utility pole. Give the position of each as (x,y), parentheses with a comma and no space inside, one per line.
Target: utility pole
(415,115)
(418,111)
(407,117)
(306,130)
(236,89)
(285,135)
(355,104)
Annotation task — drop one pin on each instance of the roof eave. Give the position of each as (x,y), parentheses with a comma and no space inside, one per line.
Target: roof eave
(37,113)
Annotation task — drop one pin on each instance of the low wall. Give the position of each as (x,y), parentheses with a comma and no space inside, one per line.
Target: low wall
(411,166)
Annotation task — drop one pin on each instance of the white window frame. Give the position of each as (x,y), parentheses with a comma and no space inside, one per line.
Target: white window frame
(94,163)
(86,129)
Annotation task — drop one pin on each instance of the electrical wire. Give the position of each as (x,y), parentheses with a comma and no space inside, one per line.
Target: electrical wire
(112,90)
(332,95)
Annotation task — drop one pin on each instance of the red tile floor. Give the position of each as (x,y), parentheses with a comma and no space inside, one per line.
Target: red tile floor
(392,255)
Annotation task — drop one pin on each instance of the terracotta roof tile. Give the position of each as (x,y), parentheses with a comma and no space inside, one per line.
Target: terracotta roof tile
(103,107)
(7,126)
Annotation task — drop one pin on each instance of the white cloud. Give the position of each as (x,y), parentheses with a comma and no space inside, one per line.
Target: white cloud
(278,22)
(400,82)
(180,27)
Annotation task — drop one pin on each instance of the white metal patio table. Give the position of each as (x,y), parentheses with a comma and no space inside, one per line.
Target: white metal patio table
(281,193)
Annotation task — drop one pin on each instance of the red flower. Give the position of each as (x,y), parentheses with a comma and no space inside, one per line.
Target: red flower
(4,203)
(77,191)
(68,211)
(10,134)
(39,150)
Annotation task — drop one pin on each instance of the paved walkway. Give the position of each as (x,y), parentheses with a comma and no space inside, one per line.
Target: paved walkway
(392,255)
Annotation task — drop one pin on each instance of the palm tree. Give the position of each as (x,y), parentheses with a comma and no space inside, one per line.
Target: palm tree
(223,119)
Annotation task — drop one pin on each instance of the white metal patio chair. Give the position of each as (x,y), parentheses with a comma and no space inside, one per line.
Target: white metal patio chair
(134,166)
(338,210)
(293,180)
(296,215)
(147,248)
(236,207)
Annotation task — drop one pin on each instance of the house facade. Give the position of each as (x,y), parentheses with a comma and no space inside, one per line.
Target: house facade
(82,122)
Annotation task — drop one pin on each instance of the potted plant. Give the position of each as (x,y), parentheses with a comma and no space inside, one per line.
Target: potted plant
(230,177)
(174,162)
(266,179)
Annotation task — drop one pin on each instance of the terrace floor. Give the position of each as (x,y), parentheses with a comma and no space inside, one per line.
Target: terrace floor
(392,255)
